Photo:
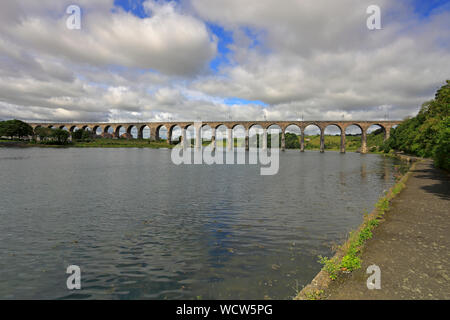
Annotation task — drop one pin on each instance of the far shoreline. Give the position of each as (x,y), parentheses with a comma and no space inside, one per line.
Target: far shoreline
(140,144)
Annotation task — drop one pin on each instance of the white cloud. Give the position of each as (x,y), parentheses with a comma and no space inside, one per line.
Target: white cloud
(168,42)
(308,57)
(319,57)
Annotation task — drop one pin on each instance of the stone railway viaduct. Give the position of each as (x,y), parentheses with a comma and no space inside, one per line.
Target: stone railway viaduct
(230,125)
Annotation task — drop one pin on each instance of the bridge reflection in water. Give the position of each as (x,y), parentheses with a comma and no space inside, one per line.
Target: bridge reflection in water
(104,128)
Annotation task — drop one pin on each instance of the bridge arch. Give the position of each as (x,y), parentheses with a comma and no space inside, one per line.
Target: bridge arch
(161,132)
(255,134)
(144,132)
(293,136)
(221,135)
(207,134)
(331,130)
(108,129)
(273,129)
(132,131)
(353,130)
(191,134)
(310,133)
(379,124)
(120,131)
(97,130)
(376,134)
(175,133)
(270,124)
(220,124)
(353,124)
(239,134)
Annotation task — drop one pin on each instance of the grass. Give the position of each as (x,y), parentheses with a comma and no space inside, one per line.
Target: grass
(352,143)
(314,295)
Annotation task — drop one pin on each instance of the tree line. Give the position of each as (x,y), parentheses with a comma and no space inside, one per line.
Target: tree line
(428,133)
(16,129)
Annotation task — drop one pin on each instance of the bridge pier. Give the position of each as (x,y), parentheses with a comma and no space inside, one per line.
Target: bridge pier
(302,140)
(230,140)
(264,142)
(213,138)
(116,133)
(342,141)
(153,134)
(183,139)
(169,136)
(198,136)
(322,140)
(283,141)
(364,141)
(387,133)
(247,133)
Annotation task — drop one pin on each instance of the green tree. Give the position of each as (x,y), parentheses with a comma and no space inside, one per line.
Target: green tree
(43,133)
(81,135)
(427,134)
(441,152)
(292,141)
(61,136)
(15,128)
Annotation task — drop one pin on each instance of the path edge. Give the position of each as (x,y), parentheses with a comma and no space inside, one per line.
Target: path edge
(315,290)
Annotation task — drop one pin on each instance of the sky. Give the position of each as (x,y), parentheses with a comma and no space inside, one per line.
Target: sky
(149,60)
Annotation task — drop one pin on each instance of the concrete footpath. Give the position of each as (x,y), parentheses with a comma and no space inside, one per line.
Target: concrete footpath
(411,247)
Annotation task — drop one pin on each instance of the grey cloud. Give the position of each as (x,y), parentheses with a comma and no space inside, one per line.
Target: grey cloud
(314,58)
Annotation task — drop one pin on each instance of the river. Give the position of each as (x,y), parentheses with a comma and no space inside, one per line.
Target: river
(140,227)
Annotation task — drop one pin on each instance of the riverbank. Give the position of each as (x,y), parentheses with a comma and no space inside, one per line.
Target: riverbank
(312,142)
(409,244)
(98,143)
(312,145)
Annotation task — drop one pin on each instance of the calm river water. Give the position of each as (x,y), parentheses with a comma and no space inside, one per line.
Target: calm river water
(140,227)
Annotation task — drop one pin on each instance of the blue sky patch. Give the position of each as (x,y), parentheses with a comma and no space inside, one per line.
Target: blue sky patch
(225,38)
(424,7)
(238,101)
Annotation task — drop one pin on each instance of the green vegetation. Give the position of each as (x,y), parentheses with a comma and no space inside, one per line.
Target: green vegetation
(60,137)
(49,136)
(315,295)
(352,142)
(350,257)
(428,133)
(121,143)
(15,129)
(81,135)
(292,140)
(21,134)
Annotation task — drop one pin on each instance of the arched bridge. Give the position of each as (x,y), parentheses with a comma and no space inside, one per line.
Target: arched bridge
(154,127)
